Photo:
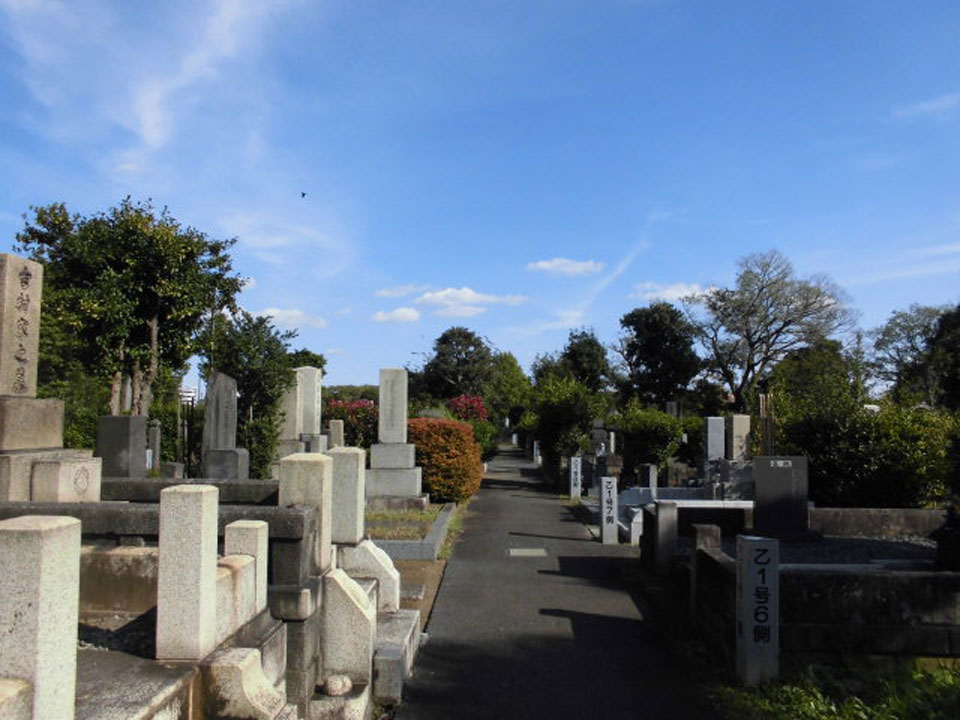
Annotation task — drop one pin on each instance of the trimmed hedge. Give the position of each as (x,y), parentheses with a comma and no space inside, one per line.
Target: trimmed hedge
(449,456)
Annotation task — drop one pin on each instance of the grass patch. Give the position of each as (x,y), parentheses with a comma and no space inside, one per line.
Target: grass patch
(853,690)
(401,524)
(454,529)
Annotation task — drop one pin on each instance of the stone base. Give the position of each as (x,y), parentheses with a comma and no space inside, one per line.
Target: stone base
(122,443)
(314,442)
(289,447)
(393,456)
(30,423)
(16,470)
(172,470)
(394,481)
(227,464)
(66,480)
(378,503)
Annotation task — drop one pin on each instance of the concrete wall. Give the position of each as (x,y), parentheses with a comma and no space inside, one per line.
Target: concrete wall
(875,522)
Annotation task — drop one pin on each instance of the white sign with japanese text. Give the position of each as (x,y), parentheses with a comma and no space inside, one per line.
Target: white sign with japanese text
(758,609)
(608,511)
(576,477)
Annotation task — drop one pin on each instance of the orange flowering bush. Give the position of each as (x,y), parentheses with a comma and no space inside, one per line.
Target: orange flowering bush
(449,456)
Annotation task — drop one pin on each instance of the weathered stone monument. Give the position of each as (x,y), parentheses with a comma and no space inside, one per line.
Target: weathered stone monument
(758,609)
(714,444)
(302,414)
(393,470)
(737,437)
(780,501)
(31,429)
(221,457)
(336,438)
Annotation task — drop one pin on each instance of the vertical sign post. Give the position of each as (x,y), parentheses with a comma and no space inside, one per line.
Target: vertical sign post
(608,511)
(536,451)
(576,477)
(758,609)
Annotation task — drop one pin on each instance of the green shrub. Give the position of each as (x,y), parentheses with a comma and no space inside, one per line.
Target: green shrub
(649,436)
(563,412)
(691,451)
(485,433)
(449,456)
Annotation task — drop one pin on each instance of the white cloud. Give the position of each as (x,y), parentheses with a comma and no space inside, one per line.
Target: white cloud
(566,266)
(929,108)
(467,296)
(293,318)
(399,315)
(461,311)
(657,291)
(938,250)
(400,291)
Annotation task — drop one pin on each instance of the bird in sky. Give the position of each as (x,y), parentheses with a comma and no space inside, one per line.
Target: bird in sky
(302,194)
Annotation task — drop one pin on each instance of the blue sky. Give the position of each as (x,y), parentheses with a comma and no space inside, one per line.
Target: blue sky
(519,167)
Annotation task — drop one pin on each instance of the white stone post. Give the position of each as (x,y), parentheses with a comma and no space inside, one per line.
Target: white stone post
(336,434)
(608,511)
(536,452)
(307,479)
(250,537)
(349,494)
(187,572)
(576,477)
(758,609)
(392,425)
(39,601)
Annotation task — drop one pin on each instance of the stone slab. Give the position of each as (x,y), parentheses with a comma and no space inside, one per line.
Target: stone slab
(40,567)
(122,443)
(394,455)
(290,447)
(336,433)
(349,629)
(220,413)
(16,699)
(250,537)
(16,470)
(233,464)
(394,482)
(307,479)
(366,560)
(314,442)
(392,425)
(30,424)
(67,480)
(349,494)
(780,502)
(21,286)
(737,441)
(310,384)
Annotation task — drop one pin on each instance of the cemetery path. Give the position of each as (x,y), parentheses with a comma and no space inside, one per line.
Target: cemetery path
(551,631)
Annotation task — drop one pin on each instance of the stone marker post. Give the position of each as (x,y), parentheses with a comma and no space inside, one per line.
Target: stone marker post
(608,511)
(393,469)
(153,443)
(780,501)
(348,493)
(392,425)
(39,601)
(576,477)
(758,609)
(250,537)
(737,437)
(187,572)
(336,434)
(714,442)
(536,452)
(307,479)
(648,478)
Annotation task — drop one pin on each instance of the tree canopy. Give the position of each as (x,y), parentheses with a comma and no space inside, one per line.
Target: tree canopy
(901,352)
(507,390)
(127,289)
(460,365)
(770,311)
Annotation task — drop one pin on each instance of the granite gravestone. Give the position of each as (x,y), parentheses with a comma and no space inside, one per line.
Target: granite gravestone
(780,502)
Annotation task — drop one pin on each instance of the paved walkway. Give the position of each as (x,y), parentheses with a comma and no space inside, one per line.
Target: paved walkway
(550,631)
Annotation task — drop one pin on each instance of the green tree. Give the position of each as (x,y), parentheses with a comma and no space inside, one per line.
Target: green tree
(750,327)
(255,354)
(649,436)
(657,352)
(460,365)
(507,390)
(585,358)
(901,352)
(128,290)
(944,354)
(306,358)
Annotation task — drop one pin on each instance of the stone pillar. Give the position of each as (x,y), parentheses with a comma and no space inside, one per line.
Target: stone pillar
(40,567)
(220,413)
(336,434)
(714,443)
(187,573)
(392,425)
(648,478)
(666,537)
(393,470)
(21,283)
(348,493)
(153,443)
(609,534)
(122,444)
(780,496)
(737,437)
(706,537)
(758,609)
(250,537)
(349,629)
(310,383)
(307,479)
(576,477)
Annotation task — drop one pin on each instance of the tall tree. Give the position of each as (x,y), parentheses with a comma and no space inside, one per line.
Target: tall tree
(901,352)
(585,358)
(460,364)
(306,358)
(657,352)
(944,356)
(132,285)
(770,311)
(507,391)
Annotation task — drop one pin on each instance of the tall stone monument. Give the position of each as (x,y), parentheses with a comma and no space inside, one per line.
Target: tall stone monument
(221,457)
(302,414)
(393,470)
(33,462)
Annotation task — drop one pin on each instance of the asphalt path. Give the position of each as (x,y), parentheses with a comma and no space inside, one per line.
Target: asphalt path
(534,620)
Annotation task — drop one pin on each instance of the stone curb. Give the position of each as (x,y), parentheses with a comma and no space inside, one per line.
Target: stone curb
(426,549)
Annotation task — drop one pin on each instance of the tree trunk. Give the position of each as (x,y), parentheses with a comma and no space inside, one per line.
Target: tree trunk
(145,399)
(116,385)
(136,382)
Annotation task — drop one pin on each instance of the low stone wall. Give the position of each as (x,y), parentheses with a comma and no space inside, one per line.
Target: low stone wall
(713,600)
(232,492)
(426,549)
(875,522)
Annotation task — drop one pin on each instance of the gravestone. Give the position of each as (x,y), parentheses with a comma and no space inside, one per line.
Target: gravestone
(336,434)
(758,609)
(714,443)
(393,469)
(737,444)
(536,452)
(302,414)
(576,477)
(608,511)
(31,428)
(222,459)
(153,444)
(780,500)
(648,478)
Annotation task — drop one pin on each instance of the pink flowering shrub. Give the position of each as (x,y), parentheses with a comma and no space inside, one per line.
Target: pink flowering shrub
(359,420)
(468,407)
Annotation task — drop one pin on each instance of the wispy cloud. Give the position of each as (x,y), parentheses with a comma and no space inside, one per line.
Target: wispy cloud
(566,266)
(399,291)
(671,293)
(937,250)
(935,107)
(293,319)
(465,302)
(399,315)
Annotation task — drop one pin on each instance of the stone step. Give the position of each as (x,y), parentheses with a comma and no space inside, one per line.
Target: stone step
(398,640)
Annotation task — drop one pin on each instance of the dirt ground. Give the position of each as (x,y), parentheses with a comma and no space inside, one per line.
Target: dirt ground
(427,573)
